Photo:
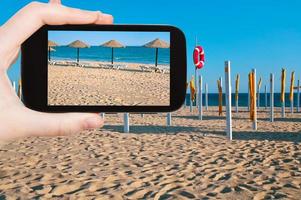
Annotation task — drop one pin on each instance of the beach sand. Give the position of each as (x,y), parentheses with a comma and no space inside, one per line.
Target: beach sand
(159,162)
(69,85)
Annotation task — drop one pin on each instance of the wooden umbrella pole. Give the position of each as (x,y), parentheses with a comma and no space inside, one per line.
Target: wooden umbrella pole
(283,78)
(112,59)
(292,91)
(77,55)
(236,91)
(157,57)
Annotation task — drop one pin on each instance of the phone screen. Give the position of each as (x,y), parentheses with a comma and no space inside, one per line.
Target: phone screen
(108,68)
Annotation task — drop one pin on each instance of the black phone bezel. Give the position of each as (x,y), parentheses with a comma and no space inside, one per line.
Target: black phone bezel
(34,69)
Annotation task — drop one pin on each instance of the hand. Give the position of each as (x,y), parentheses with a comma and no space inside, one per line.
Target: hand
(15,119)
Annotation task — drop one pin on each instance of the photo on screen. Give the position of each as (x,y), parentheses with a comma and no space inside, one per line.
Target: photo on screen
(108,68)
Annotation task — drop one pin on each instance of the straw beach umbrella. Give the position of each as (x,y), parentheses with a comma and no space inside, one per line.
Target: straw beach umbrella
(113,44)
(78,45)
(51,44)
(157,43)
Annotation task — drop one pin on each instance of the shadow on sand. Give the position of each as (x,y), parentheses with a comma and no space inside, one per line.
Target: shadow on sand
(237,135)
(139,129)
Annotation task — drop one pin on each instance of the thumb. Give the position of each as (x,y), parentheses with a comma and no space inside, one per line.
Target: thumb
(45,124)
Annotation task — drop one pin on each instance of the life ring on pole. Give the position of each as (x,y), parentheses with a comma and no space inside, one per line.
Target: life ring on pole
(199,57)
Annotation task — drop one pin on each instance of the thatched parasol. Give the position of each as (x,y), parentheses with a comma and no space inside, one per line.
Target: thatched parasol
(157,43)
(78,45)
(113,44)
(51,44)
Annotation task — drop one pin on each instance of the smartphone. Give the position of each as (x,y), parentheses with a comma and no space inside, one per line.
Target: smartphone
(104,68)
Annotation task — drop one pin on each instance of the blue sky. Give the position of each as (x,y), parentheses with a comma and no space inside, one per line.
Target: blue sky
(261,34)
(95,38)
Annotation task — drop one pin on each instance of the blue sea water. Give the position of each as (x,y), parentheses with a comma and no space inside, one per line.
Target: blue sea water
(243,100)
(131,54)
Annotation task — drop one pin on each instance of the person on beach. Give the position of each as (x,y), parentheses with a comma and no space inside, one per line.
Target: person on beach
(15,119)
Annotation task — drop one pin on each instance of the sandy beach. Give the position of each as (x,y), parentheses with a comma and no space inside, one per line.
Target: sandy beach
(159,162)
(69,85)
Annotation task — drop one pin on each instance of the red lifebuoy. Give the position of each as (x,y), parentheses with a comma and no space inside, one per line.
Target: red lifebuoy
(199,57)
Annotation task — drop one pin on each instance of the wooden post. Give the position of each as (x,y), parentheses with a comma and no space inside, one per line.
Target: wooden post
(292,92)
(249,96)
(228,99)
(272,97)
(266,96)
(168,119)
(236,92)
(206,96)
(298,97)
(255,108)
(200,99)
(283,77)
(126,122)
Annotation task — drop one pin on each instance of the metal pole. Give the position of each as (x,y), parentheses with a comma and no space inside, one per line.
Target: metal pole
(266,96)
(168,118)
(206,96)
(258,97)
(255,108)
(221,81)
(283,79)
(228,99)
(102,115)
(197,88)
(200,94)
(126,121)
(298,97)
(272,97)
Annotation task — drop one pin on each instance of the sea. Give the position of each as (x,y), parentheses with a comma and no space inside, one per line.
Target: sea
(130,54)
(243,100)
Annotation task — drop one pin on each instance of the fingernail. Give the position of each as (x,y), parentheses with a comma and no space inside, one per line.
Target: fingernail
(93,122)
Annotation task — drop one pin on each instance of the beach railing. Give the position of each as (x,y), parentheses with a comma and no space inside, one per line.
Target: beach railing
(228,99)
